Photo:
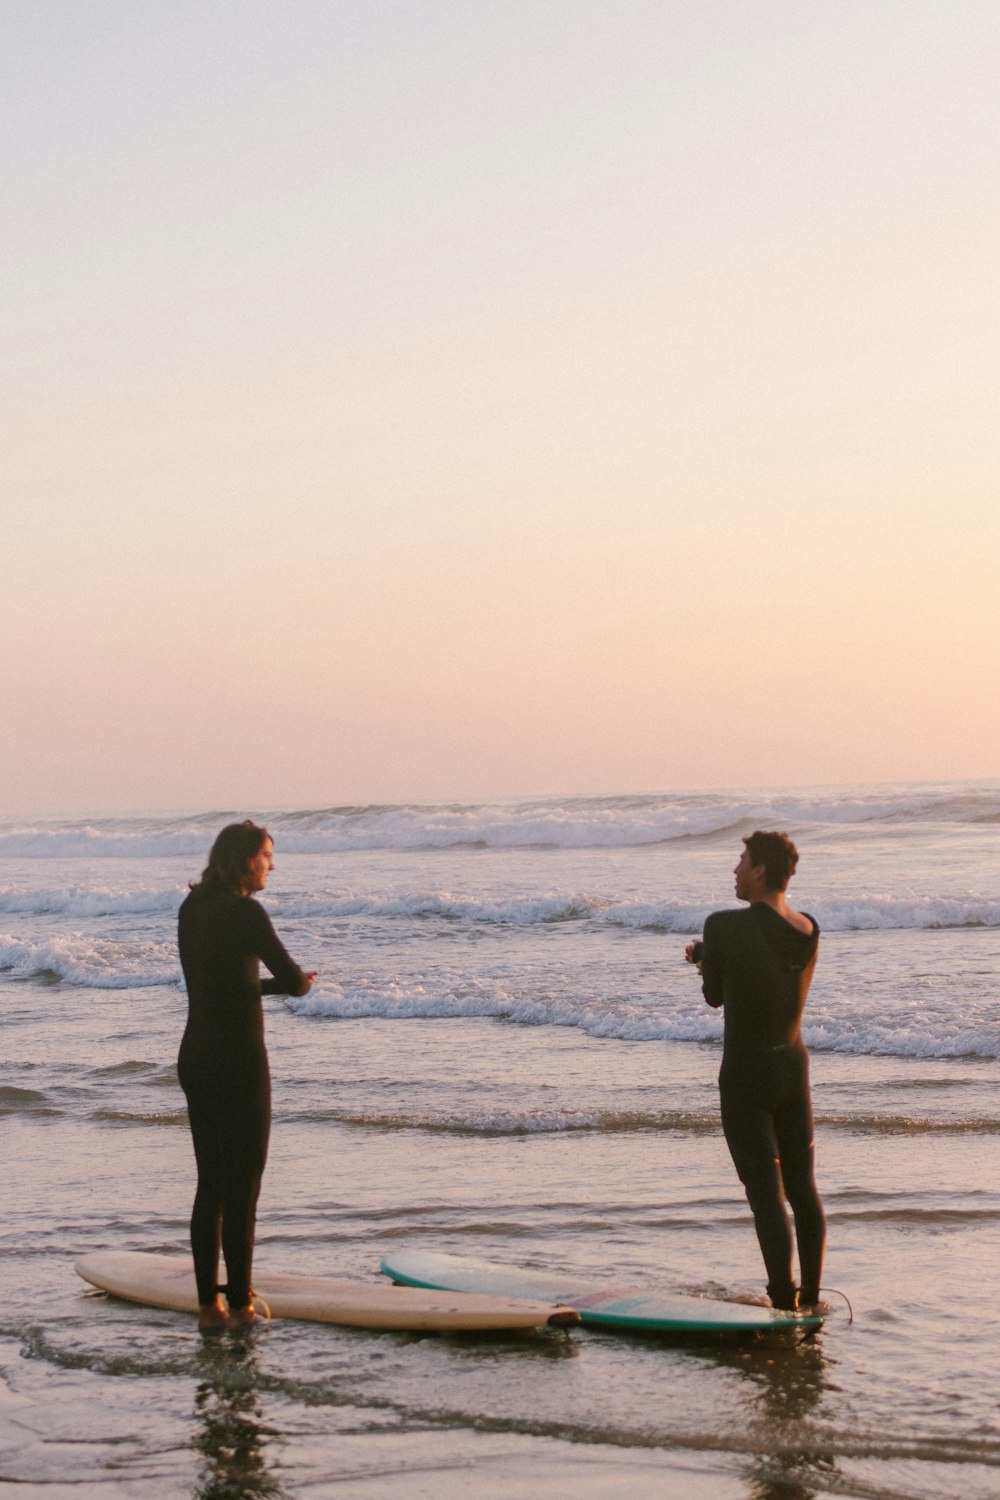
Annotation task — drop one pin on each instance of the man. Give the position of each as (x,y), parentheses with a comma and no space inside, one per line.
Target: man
(758,965)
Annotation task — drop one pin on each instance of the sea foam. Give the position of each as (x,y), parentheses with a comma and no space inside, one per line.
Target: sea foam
(935,1032)
(91,963)
(863,911)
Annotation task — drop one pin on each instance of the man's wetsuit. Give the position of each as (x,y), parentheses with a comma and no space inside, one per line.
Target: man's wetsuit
(759,967)
(224,1074)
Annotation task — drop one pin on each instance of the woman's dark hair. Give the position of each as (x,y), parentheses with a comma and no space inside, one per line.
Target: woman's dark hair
(228,865)
(778,855)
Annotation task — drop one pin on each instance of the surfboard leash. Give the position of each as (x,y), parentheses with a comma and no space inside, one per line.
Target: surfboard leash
(834,1291)
(255,1297)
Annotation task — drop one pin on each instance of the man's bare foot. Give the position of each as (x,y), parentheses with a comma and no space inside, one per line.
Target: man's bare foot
(212,1315)
(243,1317)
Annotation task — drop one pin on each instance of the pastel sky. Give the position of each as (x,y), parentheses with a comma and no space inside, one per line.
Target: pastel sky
(441,399)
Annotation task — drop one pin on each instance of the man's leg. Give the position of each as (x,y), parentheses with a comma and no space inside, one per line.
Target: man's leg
(753,1145)
(794,1127)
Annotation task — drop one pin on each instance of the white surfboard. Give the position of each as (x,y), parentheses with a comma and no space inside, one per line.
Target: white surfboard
(641,1309)
(168,1281)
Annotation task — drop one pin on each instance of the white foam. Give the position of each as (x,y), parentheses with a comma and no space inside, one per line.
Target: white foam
(525,911)
(866,912)
(861,912)
(938,1036)
(933,1034)
(96,901)
(93,964)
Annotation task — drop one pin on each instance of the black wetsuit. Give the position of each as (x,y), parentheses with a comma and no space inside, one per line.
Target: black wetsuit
(224,1074)
(759,967)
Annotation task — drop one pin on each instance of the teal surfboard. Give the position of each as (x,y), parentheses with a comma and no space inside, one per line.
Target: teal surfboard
(604,1305)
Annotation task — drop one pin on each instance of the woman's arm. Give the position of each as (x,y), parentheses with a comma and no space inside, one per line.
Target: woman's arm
(288,978)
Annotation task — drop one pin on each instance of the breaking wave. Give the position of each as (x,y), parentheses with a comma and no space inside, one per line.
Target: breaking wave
(564,823)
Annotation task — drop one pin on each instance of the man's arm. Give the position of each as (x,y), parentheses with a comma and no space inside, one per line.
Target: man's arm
(712,984)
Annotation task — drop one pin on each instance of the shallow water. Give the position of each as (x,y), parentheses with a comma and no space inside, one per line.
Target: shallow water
(506,1056)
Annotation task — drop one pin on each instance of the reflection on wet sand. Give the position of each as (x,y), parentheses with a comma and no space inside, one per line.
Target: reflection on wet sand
(785,1386)
(235,1444)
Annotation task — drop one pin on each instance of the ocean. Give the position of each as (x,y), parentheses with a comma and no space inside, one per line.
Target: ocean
(505,1055)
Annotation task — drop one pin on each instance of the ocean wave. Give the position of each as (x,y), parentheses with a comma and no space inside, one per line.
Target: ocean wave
(882,912)
(135,1068)
(860,912)
(562,823)
(857,913)
(527,911)
(504,1122)
(97,901)
(15,1101)
(90,964)
(513,1122)
(932,1035)
(909,1124)
(169,1118)
(925,1219)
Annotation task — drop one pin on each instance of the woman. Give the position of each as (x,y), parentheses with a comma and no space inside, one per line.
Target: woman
(223,934)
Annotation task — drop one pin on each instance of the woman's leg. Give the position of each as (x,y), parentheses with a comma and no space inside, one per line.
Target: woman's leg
(248,1120)
(206,1215)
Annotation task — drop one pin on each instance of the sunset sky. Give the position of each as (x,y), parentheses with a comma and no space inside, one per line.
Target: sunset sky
(442,399)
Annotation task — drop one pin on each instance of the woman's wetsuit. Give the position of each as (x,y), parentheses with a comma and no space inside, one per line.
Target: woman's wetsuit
(223,1071)
(759,967)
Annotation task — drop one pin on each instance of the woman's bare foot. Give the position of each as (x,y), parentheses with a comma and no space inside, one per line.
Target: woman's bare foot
(243,1317)
(212,1315)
